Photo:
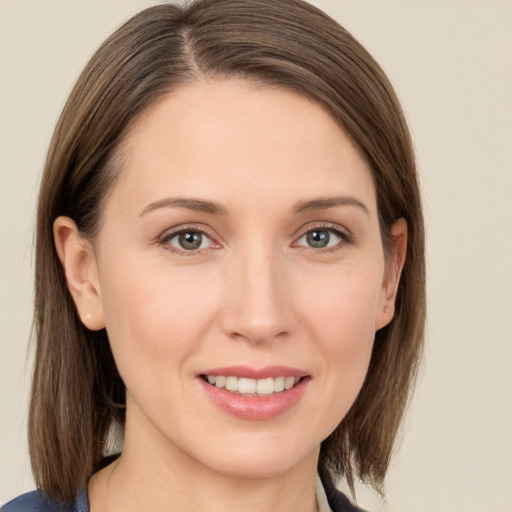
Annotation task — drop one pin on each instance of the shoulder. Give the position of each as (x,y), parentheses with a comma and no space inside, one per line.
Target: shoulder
(36,501)
(339,502)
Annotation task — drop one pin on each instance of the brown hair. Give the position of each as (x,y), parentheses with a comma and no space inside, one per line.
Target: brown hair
(77,392)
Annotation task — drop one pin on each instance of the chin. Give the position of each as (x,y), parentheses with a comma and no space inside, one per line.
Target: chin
(259,458)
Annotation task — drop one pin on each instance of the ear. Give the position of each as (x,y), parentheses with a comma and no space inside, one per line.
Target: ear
(80,268)
(393,269)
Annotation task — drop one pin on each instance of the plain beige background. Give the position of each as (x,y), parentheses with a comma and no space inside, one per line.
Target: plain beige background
(451,64)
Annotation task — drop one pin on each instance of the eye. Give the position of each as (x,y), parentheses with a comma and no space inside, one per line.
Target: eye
(322,238)
(187,240)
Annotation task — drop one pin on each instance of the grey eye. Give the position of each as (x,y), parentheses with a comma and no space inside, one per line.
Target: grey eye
(320,238)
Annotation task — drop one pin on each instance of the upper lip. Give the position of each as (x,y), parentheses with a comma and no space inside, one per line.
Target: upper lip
(256,373)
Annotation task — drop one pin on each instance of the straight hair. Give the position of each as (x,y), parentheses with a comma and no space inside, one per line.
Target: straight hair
(77,393)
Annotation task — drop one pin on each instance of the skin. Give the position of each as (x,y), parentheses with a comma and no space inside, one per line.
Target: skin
(256,293)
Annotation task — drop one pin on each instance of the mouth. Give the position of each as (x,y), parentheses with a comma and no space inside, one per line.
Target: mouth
(255,393)
(246,386)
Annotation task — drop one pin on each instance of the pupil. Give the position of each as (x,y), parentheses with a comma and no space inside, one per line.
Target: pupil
(318,239)
(190,240)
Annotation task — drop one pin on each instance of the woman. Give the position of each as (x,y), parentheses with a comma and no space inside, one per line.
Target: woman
(229,268)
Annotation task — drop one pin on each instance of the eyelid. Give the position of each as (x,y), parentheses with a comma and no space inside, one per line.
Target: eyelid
(346,236)
(170,233)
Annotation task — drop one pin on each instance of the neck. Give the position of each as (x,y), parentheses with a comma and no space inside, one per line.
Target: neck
(121,487)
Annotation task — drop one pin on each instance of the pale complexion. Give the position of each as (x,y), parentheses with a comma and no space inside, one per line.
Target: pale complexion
(279,262)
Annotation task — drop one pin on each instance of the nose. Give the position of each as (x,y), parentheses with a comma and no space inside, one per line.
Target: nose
(257,306)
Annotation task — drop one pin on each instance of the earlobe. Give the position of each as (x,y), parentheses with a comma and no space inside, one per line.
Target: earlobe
(80,268)
(394,265)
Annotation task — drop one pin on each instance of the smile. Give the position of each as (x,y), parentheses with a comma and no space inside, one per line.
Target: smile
(252,387)
(255,394)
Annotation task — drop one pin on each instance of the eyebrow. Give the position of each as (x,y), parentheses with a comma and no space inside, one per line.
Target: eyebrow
(323,203)
(200,205)
(197,205)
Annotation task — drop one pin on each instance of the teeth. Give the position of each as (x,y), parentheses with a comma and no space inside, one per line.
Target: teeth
(220,381)
(289,382)
(245,386)
(279,384)
(231,383)
(265,386)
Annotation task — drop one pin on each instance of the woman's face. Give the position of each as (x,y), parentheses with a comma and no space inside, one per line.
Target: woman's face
(240,247)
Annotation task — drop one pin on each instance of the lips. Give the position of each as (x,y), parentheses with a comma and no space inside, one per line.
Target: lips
(255,394)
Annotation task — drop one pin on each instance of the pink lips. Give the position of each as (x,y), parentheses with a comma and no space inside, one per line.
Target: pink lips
(256,407)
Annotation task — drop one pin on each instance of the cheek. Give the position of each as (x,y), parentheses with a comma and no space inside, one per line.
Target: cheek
(342,321)
(345,307)
(155,316)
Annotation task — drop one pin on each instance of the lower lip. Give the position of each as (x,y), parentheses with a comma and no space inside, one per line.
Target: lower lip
(256,407)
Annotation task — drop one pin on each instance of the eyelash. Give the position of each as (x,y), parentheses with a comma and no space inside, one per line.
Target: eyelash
(346,238)
(165,238)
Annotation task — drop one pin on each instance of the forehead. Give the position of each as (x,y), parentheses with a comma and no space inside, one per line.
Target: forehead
(212,137)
